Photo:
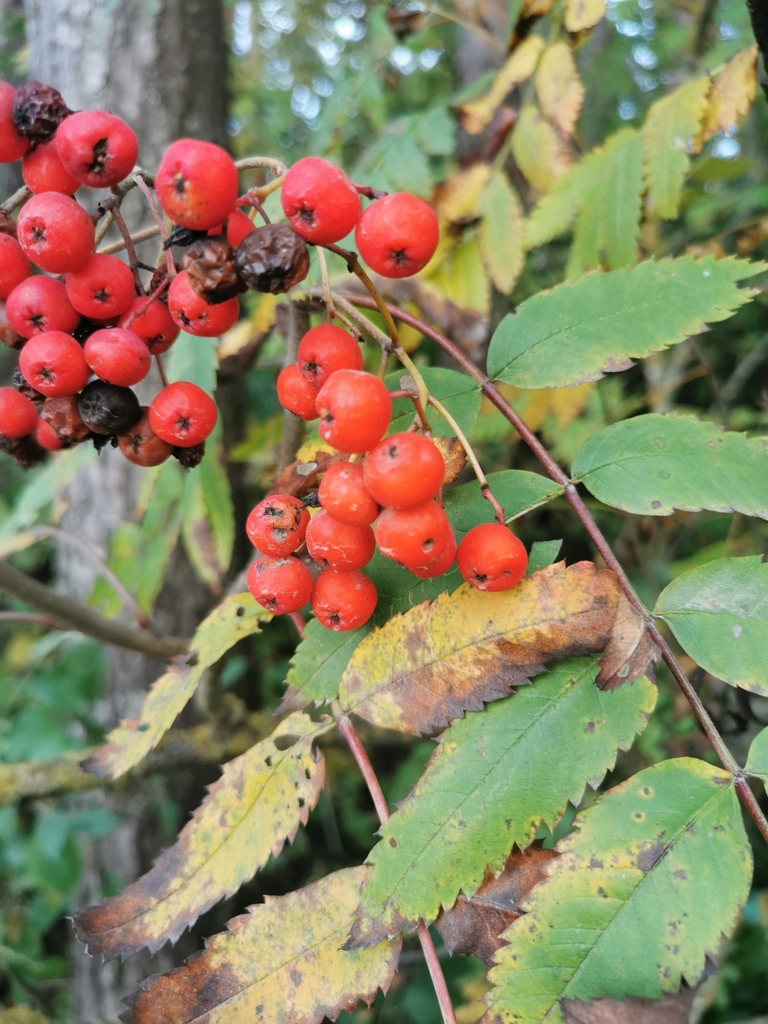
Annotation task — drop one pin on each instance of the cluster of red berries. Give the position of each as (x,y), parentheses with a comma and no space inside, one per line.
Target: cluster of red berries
(388,499)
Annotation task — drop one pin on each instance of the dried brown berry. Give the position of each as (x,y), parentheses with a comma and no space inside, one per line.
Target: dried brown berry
(63,417)
(190,457)
(19,382)
(159,274)
(8,336)
(25,450)
(141,445)
(7,224)
(210,267)
(38,110)
(272,259)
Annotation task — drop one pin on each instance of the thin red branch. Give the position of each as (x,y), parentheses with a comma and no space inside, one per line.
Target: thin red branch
(298,621)
(133,259)
(146,191)
(150,299)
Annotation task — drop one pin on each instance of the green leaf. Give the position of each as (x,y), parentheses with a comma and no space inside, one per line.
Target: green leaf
(653,464)
(457,392)
(542,554)
(757,760)
(435,131)
(517,490)
(637,899)
(500,235)
(620,201)
(208,519)
(193,359)
(719,615)
(669,128)
(578,332)
(495,776)
(45,484)
(554,213)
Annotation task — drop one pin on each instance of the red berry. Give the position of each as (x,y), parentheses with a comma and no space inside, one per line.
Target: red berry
(102,288)
(325,349)
(47,437)
(337,546)
(117,356)
(141,445)
(296,394)
(41,304)
(404,470)
(238,226)
(355,409)
(13,146)
(276,527)
(154,326)
(492,558)
(14,265)
(97,148)
(43,171)
(320,201)
(397,235)
(18,415)
(415,536)
(194,315)
(343,600)
(55,232)
(196,184)
(344,495)
(183,414)
(53,364)
(440,567)
(280,585)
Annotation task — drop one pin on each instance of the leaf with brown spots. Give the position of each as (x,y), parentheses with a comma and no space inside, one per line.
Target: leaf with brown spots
(667,1010)
(236,617)
(454,457)
(630,651)
(473,926)
(258,803)
(636,902)
(303,474)
(442,659)
(281,963)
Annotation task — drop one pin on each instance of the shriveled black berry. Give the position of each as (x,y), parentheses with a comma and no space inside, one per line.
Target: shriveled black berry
(19,382)
(210,267)
(38,110)
(24,450)
(272,259)
(190,457)
(107,409)
(183,237)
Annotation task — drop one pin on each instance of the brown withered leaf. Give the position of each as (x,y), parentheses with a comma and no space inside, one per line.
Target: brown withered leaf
(439,660)
(281,961)
(258,803)
(474,926)
(454,457)
(630,652)
(632,1010)
(302,475)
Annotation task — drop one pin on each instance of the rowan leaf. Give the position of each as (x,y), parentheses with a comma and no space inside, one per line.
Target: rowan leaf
(669,130)
(630,652)
(579,331)
(757,759)
(674,1009)
(554,213)
(493,779)
(441,659)
(559,87)
(538,150)
(653,464)
(236,617)
(582,14)
(518,491)
(500,234)
(280,962)
(542,554)
(732,93)
(459,393)
(636,900)
(258,803)
(719,615)
(458,274)
(478,114)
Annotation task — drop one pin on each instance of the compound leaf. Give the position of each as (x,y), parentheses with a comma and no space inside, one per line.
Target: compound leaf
(636,900)
(258,803)
(719,615)
(236,617)
(441,659)
(493,779)
(653,464)
(579,331)
(671,125)
(279,962)
(477,114)
(500,235)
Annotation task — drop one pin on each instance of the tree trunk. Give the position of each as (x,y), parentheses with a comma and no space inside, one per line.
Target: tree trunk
(162,67)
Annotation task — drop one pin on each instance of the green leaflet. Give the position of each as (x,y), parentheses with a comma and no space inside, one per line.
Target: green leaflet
(496,775)
(757,760)
(642,892)
(458,393)
(500,235)
(208,518)
(670,125)
(518,491)
(719,615)
(580,331)
(654,464)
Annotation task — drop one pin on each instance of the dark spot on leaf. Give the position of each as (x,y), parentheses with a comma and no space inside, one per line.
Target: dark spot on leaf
(590,727)
(682,875)
(655,504)
(296,976)
(143,727)
(392,842)
(649,857)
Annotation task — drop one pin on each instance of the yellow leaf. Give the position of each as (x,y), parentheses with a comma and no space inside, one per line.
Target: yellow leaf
(539,152)
(261,320)
(559,87)
(258,803)
(581,14)
(536,8)
(457,197)
(22,1015)
(500,235)
(563,404)
(236,617)
(461,277)
(479,113)
(669,132)
(441,659)
(732,93)
(282,961)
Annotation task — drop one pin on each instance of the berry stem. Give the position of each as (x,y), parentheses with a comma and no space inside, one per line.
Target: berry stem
(138,236)
(133,259)
(150,299)
(14,201)
(298,621)
(147,193)
(582,512)
(277,167)
(327,294)
(161,369)
(485,487)
(368,192)
(360,755)
(31,617)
